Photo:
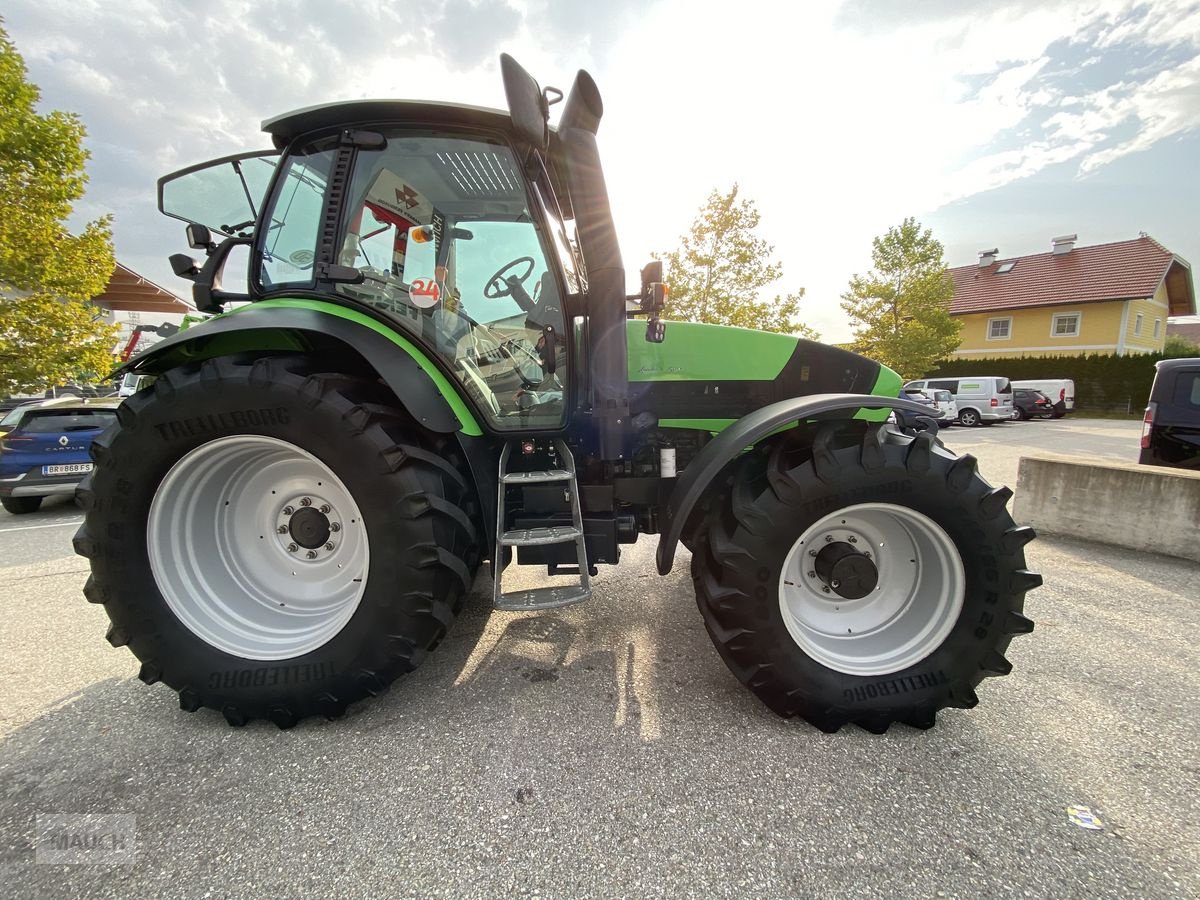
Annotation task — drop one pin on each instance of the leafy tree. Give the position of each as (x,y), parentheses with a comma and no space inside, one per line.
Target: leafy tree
(1177,346)
(49,334)
(901,308)
(720,267)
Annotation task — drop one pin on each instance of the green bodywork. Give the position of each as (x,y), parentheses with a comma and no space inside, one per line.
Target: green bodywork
(697,352)
(692,352)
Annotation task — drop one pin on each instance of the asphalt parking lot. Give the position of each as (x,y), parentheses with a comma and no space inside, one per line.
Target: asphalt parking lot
(605,750)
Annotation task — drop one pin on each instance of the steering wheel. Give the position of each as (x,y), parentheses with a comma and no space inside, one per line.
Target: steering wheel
(497,286)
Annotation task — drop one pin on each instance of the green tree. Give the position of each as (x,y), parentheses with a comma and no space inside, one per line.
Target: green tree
(49,334)
(901,308)
(1176,346)
(720,267)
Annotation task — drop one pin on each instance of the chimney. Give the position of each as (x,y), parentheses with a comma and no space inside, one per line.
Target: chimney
(987,257)
(1063,244)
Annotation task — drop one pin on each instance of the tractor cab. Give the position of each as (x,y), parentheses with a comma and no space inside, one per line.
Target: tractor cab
(443,234)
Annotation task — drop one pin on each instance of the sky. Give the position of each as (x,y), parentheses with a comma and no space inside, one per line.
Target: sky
(996,124)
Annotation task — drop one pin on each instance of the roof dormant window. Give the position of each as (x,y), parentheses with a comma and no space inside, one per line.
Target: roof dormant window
(1065,325)
(1005,268)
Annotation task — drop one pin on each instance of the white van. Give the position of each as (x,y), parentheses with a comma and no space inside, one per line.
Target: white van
(1060,390)
(980,398)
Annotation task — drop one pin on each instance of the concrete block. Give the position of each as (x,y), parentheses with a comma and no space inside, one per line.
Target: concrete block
(1130,505)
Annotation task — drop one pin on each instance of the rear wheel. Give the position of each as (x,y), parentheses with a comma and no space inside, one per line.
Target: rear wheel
(274,541)
(1022,414)
(871,583)
(20,505)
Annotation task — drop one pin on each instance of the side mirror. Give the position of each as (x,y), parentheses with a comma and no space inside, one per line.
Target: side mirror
(199,238)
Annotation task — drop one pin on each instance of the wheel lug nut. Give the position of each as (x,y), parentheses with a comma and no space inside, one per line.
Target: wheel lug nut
(828,538)
(335,526)
(812,552)
(330,546)
(287,510)
(292,548)
(854,540)
(825,589)
(282,529)
(834,584)
(311,554)
(304,501)
(324,509)
(812,574)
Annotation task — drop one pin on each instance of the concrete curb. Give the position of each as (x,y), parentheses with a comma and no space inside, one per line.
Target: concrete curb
(1130,505)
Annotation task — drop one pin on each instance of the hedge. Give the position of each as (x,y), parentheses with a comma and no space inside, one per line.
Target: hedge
(1102,381)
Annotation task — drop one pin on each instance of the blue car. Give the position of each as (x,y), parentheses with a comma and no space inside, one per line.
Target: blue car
(46,452)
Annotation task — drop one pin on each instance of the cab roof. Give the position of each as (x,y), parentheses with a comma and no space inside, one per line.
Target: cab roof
(345,113)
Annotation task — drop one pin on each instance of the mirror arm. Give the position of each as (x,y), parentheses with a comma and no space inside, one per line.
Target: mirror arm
(206,289)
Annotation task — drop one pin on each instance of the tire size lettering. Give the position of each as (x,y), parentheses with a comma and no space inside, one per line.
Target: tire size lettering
(270,676)
(895,686)
(222,421)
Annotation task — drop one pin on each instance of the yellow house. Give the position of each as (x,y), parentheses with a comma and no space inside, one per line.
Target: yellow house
(1108,298)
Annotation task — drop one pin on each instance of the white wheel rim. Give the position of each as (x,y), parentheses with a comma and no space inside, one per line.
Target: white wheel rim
(911,611)
(221,547)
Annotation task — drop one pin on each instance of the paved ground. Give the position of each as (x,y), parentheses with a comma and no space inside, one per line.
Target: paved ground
(604,750)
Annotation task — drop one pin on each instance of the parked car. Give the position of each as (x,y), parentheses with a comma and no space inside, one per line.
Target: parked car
(1031,404)
(46,453)
(947,409)
(982,399)
(1171,426)
(1061,392)
(15,416)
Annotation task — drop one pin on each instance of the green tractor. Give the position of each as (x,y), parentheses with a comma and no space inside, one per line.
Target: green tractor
(434,362)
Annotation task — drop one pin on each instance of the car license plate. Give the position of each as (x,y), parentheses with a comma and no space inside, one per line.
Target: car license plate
(68,469)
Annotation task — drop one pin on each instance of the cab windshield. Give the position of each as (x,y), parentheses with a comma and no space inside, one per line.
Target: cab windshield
(442,231)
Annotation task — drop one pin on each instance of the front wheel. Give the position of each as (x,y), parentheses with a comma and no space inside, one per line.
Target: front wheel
(870,583)
(969,417)
(18,506)
(275,541)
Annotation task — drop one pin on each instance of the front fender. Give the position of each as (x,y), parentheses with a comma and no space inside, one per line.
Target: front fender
(743,433)
(424,391)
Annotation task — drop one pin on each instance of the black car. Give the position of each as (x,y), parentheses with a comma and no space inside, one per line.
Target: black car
(1030,404)
(1171,427)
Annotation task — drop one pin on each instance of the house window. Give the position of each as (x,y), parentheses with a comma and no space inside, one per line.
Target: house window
(1137,324)
(1065,325)
(1157,327)
(999,329)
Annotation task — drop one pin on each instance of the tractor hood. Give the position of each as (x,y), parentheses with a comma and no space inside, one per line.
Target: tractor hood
(703,376)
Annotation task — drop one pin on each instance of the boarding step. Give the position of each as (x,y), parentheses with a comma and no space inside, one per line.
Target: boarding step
(538,477)
(537,537)
(543,598)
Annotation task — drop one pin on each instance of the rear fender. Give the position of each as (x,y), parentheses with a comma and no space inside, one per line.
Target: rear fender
(744,433)
(421,388)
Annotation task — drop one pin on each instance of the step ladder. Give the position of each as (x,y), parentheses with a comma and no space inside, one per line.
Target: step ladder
(543,597)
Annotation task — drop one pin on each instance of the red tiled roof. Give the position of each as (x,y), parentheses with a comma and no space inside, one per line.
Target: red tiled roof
(1122,270)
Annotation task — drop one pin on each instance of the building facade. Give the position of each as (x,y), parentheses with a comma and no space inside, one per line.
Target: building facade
(1107,298)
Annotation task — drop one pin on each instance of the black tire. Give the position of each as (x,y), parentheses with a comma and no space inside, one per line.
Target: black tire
(1022,414)
(969,417)
(418,508)
(769,503)
(18,506)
